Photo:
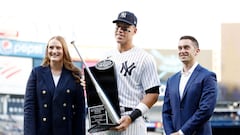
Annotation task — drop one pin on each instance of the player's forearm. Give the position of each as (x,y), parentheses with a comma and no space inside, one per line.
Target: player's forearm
(150,99)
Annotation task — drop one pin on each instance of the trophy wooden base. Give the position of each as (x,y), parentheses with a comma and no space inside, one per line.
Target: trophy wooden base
(101,127)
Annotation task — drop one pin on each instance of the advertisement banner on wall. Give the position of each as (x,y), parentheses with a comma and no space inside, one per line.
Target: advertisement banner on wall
(21,48)
(14,72)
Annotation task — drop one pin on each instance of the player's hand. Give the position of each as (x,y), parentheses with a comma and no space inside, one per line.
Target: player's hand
(83,82)
(125,121)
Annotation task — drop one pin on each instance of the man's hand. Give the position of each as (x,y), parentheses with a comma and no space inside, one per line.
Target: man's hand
(125,121)
(175,133)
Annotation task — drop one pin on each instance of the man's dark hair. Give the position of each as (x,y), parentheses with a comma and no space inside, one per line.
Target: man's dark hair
(193,39)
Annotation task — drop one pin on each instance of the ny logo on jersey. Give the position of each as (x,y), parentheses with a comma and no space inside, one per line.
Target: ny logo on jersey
(127,69)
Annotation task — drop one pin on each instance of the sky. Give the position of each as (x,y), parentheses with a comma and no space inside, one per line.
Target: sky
(89,22)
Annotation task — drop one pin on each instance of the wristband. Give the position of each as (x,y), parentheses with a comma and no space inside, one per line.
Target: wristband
(142,107)
(135,114)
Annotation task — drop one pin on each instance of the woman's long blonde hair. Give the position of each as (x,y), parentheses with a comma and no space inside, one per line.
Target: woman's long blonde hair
(67,60)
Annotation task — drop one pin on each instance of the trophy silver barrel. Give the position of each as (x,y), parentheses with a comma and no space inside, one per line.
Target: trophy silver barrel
(101,114)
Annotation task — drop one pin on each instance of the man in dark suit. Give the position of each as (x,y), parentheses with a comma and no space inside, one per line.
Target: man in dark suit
(191,94)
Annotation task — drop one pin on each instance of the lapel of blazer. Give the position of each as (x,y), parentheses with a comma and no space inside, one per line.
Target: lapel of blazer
(177,99)
(178,77)
(47,77)
(63,78)
(191,79)
(62,83)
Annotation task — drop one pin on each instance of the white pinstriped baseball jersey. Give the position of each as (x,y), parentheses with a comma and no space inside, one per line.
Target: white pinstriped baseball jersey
(136,72)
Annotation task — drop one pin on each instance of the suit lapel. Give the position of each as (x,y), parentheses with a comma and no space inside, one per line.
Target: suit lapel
(47,77)
(177,85)
(177,100)
(62,83)
(62,79)
(191,79)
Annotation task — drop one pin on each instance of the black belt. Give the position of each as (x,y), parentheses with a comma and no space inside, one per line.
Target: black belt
(125,109)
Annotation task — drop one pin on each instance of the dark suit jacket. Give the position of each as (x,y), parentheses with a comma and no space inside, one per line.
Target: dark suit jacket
(192,113)
(50,110)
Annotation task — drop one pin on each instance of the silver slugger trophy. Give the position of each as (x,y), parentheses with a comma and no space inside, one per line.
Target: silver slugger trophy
(102,114)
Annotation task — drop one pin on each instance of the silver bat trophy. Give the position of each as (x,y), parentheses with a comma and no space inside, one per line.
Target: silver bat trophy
(112,113)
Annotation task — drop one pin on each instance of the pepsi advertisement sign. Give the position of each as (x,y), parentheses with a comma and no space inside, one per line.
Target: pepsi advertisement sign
(22,48)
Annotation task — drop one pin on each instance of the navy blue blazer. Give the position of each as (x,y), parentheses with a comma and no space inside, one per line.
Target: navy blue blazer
(192,113)
(50,110)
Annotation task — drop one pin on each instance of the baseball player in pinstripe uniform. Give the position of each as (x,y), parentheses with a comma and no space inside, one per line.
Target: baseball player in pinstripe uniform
(137,79)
